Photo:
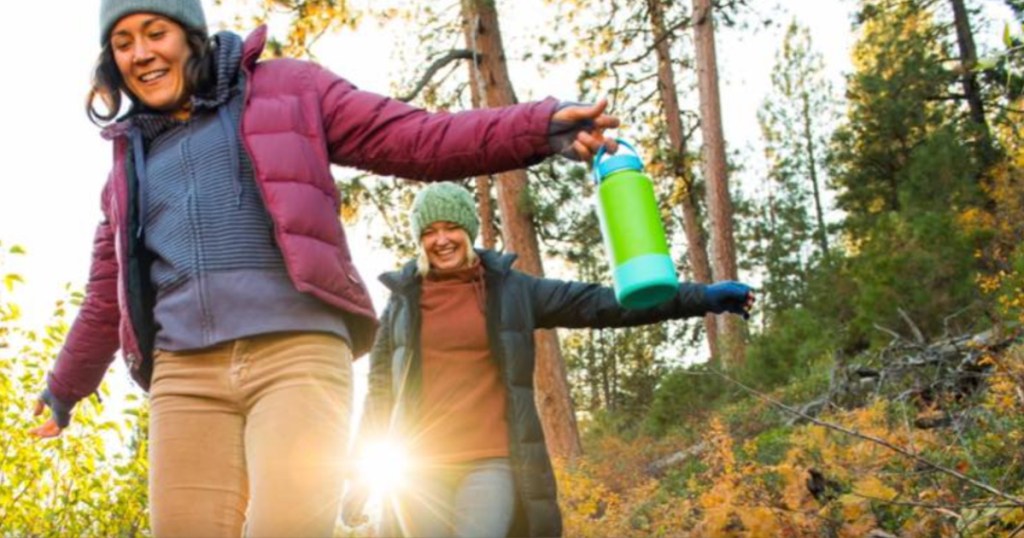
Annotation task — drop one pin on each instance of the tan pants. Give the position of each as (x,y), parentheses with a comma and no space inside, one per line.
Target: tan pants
(250,433)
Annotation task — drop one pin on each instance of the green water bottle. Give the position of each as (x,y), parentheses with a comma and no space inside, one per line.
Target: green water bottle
(643,272)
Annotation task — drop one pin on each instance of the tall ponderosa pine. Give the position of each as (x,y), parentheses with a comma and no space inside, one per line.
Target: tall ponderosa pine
(678,158)
(483,34)
(794,119)
(899,107)
(719,199)
(483,183)
(904,173)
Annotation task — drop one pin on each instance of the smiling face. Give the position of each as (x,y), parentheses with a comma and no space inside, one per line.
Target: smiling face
(446,245)
(151,52)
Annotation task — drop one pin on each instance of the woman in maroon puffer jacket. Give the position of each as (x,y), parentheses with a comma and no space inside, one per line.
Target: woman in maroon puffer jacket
(221,270)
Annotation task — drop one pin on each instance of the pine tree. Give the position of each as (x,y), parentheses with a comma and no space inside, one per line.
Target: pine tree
(904,174)
(794,120)
(719,199)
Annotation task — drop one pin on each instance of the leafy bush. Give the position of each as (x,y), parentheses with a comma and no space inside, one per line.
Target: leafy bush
(798,339)
(684,394)
(74,485)
(922,266)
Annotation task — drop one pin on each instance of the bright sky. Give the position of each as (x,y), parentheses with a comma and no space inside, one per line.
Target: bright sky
(55,163)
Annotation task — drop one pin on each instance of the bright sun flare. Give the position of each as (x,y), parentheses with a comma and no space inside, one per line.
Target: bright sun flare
(383,465)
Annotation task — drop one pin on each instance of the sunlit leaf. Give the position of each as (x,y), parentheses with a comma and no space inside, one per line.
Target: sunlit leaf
(11,279)
(874,488)
(986,63)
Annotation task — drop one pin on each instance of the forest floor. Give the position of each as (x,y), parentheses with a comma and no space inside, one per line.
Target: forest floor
(921,439)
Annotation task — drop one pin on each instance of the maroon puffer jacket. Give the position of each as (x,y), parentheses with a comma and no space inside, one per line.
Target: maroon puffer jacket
(298,119)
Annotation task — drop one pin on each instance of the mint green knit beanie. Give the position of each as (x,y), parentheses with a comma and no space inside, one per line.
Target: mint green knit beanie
(188,13)
(444,201)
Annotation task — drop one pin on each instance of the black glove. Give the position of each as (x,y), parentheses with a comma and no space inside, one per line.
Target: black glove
(729,296)
(60,410)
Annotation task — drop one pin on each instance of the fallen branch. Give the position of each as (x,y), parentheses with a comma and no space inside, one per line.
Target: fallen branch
(890,332)
(812,407)
(918,335)
(935,506)
(656,468)
(854,433)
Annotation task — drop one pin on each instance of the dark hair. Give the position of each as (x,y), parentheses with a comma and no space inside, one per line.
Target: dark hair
(108,86)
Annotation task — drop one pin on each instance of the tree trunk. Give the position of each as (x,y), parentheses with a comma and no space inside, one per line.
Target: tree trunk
(613,378)
(718,199)
(968,59)
(593,377)
(483,35)
(668,90)
(486,210)
(984,150)
(488,233)
(606,373)
(812,171)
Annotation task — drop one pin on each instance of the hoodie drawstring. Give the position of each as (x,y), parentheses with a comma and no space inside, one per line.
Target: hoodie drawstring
(229,132)
(139,157)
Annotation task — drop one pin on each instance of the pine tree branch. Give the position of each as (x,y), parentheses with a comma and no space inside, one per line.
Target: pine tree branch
(449,57)
(854,433)
(1010,109)
(667,34)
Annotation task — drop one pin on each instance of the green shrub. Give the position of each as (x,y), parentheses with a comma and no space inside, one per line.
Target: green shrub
(796,340)
(684,395)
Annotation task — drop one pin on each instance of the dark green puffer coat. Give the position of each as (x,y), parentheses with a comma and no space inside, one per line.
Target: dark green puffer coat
(517,304)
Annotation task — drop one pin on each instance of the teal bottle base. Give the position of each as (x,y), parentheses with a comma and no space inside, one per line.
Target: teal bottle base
(646,281)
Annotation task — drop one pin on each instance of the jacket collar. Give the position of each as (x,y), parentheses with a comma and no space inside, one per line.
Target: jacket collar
(405,279)
(253,47)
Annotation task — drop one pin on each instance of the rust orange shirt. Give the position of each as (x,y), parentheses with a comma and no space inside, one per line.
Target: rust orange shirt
(463,400)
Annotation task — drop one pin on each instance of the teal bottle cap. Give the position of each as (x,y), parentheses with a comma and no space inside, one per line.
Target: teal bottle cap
(613,163)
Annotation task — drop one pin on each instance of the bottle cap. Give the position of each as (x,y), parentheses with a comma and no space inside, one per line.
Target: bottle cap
(621,160)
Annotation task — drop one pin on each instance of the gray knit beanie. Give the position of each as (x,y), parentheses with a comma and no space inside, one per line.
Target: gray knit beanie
(189,13)
(444,201)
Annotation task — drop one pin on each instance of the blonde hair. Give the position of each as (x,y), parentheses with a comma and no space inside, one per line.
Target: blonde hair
(423,263)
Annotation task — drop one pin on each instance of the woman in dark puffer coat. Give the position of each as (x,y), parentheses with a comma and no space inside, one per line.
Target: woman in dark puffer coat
(452,376)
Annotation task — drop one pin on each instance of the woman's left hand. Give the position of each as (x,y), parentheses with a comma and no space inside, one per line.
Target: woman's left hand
(60,415)
(589,122)
(730,296)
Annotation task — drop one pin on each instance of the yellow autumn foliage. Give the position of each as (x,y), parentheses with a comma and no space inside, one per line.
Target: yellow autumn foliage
(729,493)
(871,487)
